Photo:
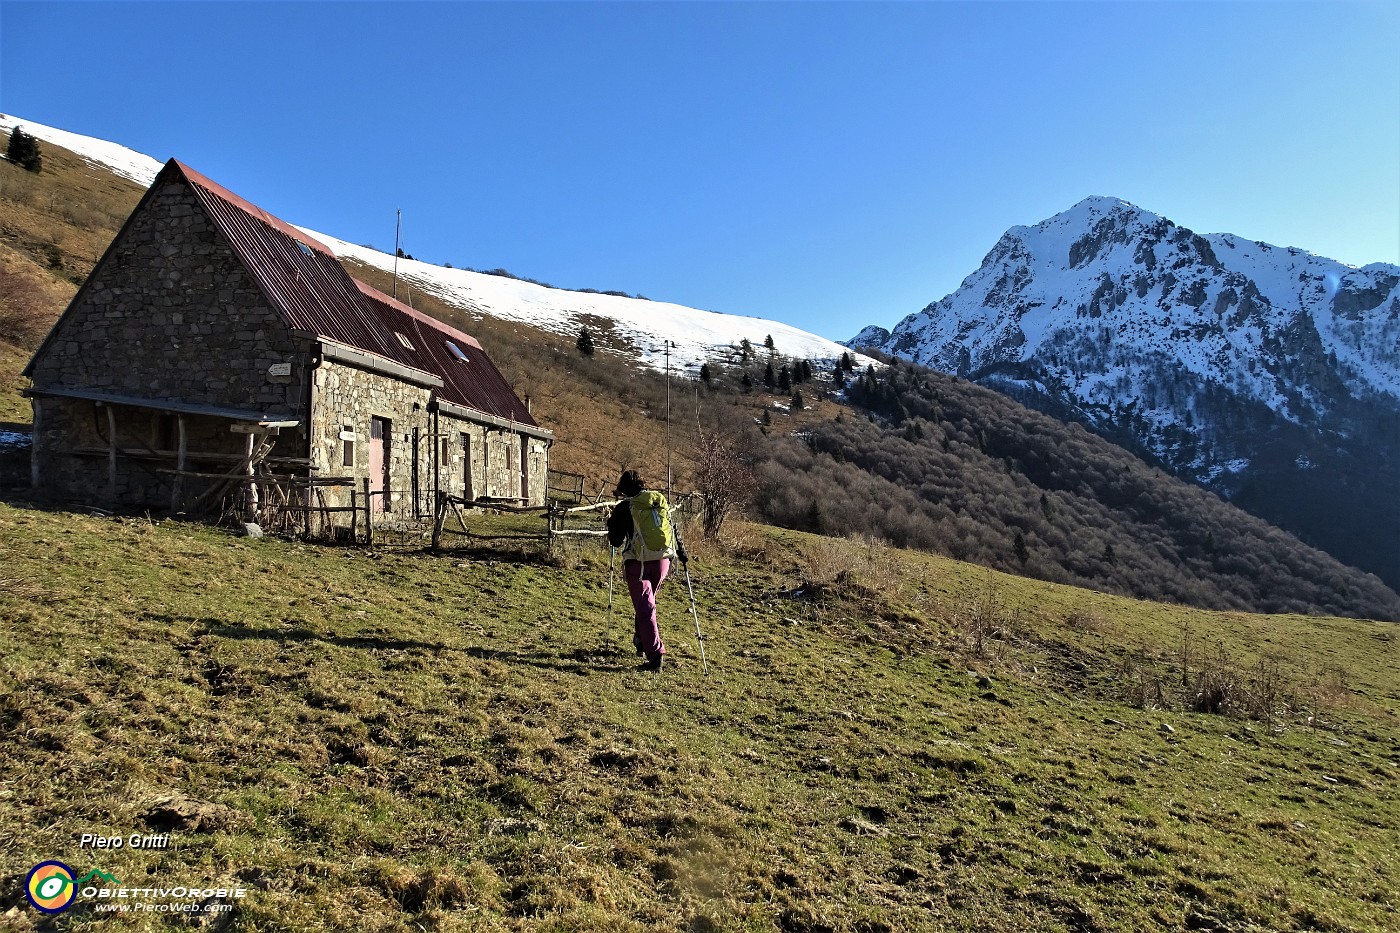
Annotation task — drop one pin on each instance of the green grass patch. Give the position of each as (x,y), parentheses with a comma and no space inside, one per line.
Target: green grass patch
(397,740)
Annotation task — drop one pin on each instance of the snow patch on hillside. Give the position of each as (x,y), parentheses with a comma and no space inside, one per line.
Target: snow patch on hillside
(125,162)
(642,326)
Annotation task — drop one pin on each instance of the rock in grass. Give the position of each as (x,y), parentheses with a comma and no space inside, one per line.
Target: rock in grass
(186,814)
(861,827)
(509,826)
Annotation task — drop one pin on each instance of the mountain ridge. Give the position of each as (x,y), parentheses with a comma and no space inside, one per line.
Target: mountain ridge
(940,482)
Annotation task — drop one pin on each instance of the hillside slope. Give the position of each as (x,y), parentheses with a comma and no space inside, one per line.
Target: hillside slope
(950,466)
(395,741)
(1267,374)
(610,411)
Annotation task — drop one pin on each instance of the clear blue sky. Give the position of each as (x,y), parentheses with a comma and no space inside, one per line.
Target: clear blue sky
(830,165)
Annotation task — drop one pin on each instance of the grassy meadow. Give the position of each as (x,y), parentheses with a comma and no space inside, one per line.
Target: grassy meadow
(886,740)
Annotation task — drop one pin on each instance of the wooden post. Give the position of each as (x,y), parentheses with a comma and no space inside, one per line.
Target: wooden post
(354,515)
(369,516)
(439,515)
(177,488)
(34,466)
(252,485)
(111,457)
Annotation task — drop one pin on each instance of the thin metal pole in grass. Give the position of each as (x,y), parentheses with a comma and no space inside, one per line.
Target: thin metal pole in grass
(607,629)
(694,612)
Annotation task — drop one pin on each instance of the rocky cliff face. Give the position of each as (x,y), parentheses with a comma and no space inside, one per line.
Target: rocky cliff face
(1268,374)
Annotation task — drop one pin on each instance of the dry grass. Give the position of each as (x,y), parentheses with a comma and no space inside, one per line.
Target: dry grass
(401,741)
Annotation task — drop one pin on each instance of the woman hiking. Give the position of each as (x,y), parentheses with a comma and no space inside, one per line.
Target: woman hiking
(640,526)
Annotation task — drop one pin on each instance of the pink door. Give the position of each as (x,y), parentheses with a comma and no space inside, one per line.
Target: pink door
(379,463)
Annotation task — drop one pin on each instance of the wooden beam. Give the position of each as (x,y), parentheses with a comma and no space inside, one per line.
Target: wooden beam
(177,489)
(251,449)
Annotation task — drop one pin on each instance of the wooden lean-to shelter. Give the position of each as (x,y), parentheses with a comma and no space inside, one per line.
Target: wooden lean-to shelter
(218,357)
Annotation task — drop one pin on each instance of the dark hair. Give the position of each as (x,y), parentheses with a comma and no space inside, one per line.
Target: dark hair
(630,484)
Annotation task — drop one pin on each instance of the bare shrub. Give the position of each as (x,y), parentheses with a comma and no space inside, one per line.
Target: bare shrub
(1144,682)
(1326,692)
(724,476)
(986,621)
(860,565)
(1217,685)
(1086,620)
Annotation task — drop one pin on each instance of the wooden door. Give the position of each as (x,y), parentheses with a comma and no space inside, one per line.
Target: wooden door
(379,434)
(467,492)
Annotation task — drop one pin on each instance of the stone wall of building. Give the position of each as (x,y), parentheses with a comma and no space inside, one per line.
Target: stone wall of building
(466,458)
(345,400)
(503,463)
(170,313)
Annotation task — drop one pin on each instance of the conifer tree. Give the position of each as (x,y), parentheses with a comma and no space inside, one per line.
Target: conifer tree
(770,379)
(705,373)
(785,378)
(585,342)
(23,150)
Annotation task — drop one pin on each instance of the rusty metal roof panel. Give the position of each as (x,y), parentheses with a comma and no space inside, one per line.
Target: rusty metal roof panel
(300,275)
(307,283)
(469,377)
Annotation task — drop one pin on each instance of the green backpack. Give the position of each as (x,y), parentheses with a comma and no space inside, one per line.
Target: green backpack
(652,517)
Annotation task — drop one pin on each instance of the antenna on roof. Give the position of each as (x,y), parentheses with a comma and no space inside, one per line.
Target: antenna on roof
(398,226)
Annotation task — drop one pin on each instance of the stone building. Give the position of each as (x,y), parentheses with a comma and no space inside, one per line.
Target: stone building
(213,342)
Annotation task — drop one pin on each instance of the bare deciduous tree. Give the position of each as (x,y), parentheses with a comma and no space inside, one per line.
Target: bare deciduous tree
(724,477)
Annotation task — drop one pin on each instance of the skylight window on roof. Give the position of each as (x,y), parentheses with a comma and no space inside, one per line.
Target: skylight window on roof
(404,340)
(456,351)
(306,250)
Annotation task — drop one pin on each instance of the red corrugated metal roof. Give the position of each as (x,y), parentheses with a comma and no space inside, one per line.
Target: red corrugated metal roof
(474,382)
(308,285)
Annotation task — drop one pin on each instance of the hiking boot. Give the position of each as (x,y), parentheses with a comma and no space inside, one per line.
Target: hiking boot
(652,664)
(636,643)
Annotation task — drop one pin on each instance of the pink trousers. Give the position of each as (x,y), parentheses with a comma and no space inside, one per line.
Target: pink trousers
(643,580)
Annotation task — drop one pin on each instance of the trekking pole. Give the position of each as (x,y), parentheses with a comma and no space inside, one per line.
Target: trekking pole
(607,629)
(695,613)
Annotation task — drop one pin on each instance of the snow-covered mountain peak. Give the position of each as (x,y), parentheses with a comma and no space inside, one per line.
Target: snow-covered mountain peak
(1108,302)
(1268,373)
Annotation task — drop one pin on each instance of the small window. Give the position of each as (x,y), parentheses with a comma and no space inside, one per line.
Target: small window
(306,250)
(403,340)
(347,457)
(456,351)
